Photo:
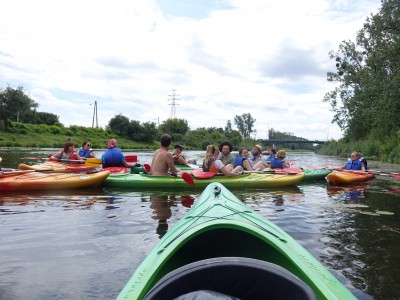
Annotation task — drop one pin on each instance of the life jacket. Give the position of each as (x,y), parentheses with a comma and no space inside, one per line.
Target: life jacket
(84,153)
(353,164)
(210,166)
(239,161)
(60,155)
(276,163)
(271,157)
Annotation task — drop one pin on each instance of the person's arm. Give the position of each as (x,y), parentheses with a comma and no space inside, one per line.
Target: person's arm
(128,165)
(224,169)
(181,160)
(77,156)
(171,165)
(362,167)
(285,165)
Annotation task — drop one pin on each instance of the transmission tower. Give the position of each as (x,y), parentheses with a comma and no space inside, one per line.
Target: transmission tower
(173,98)
(95,115)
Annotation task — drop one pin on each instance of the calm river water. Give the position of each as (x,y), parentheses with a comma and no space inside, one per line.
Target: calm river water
(86,243)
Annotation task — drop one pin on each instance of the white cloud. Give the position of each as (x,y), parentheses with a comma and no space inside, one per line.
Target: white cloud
(224,58)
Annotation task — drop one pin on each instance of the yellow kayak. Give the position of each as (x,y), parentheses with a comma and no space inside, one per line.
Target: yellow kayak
(49,181)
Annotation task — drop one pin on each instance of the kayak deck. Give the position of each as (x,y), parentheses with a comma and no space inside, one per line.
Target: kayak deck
(249,180)
(220,225)
(58,167)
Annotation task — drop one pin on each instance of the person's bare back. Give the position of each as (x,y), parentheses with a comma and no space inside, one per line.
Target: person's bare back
(162,159)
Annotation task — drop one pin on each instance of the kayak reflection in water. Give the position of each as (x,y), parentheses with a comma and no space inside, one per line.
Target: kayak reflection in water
(161,212)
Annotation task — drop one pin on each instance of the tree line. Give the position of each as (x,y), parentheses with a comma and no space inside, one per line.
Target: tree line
(17,109)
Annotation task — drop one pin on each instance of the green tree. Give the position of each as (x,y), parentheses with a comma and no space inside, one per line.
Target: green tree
(149,132)
(173,126)
(368,73)
(245,124)
(45,118)
(15,105)
(120,125)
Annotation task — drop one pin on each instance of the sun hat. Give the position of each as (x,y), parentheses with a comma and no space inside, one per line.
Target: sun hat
(258,147)
(225,144)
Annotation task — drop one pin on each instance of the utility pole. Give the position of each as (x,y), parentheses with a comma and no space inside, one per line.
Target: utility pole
(173,99)
(95,114)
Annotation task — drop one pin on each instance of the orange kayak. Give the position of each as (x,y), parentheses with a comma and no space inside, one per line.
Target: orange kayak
(58,167)
(50,181)
(348,177)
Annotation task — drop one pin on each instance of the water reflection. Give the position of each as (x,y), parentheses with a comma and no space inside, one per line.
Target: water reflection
(353,194)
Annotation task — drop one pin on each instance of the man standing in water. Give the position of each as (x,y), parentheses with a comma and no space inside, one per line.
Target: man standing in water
(162,159)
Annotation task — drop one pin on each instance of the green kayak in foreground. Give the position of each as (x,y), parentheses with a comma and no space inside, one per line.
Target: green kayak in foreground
(249,180)
(223,246)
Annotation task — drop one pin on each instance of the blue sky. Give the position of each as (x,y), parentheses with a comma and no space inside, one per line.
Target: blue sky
(224,58)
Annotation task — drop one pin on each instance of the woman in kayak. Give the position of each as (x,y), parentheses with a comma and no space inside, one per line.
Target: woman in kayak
(354,163)
(68,153)
(85,151)
(278,162)
(211,164)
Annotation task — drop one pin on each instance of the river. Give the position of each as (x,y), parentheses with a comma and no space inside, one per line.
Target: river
(82,244)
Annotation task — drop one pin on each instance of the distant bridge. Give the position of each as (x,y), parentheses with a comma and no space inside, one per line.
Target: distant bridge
(271,142)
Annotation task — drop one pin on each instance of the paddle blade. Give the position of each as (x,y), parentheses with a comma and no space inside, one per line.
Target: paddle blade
(147,168)
(188,179)
(198,173)
(93,162)
(131,158)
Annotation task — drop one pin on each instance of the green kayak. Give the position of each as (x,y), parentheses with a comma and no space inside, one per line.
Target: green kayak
(315,174)
(249,180)
(222,246)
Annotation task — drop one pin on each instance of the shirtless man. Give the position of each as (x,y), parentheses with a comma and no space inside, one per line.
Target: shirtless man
(162,159)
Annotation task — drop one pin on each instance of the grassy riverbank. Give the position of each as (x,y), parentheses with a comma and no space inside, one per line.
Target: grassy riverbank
(98,138)
(382,149)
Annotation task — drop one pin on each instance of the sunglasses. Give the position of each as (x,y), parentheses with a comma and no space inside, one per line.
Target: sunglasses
(88,145)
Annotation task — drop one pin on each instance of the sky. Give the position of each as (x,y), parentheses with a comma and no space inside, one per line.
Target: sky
(222,58)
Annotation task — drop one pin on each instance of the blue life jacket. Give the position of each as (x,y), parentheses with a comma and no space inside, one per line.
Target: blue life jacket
(113,157)
(84,153)
(271,157)
(353,165)
(276,163)
(239,161)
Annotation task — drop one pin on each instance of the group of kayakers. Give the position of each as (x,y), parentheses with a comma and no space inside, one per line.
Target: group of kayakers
(217,160)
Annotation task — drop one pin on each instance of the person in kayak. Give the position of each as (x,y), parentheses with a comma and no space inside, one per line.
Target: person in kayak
(272,153)
(215,165)
(363,160)
(68,153)
(163,161)
(225,155)
(256,160)
(242,160)
(354,163)
(278,162)
(85,151)
(113,156)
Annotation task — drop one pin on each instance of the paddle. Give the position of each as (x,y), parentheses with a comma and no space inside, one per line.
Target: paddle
(71,169)
(93,162)
(53,159)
